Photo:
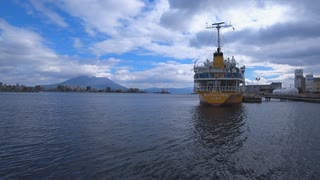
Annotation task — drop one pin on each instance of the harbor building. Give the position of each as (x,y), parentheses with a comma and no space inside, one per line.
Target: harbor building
(309,83)
(299,80)
(263,89)
(316,85)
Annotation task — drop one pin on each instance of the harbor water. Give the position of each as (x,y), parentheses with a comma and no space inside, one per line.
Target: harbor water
(155,136)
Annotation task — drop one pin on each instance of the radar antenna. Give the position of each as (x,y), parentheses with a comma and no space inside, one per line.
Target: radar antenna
(218,26)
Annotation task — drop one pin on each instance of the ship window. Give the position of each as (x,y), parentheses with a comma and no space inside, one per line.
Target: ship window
(210,82)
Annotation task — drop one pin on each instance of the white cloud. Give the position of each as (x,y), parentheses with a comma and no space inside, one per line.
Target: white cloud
(258,17)
(102,16)
(151,28)
(77,43)
(145,33)
(118,46)
(165,75)
(20,45)
(50,14)
(47,67)
(176,51)
(25,58)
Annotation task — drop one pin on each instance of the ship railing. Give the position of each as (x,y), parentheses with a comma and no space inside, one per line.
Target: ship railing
(219,88)
(219,75)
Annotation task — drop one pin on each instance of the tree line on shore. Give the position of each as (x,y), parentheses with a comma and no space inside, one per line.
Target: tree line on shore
(64,88)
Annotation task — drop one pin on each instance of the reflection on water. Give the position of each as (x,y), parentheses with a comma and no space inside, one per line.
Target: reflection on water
(218,134)
(220,127)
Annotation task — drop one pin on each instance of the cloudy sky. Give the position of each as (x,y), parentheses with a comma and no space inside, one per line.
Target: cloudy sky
(146,43)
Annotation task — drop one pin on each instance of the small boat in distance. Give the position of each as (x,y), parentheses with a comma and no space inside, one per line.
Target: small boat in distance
(219,82)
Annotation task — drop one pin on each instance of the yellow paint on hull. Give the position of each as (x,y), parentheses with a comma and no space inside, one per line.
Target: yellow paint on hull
(220,98)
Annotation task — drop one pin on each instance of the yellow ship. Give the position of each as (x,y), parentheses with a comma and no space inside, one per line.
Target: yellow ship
(219,82)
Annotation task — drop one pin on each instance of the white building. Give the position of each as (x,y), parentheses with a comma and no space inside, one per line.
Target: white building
(316,85)
(309,83)
(263,89)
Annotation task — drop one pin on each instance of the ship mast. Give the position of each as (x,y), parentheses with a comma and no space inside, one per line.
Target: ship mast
(218,26)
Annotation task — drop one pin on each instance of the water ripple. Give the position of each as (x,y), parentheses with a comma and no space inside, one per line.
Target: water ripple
(147,136)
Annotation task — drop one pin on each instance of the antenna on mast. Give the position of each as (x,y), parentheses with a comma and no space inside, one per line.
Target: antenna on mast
(218,26)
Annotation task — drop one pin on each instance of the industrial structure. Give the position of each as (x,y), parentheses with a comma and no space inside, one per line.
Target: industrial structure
(299,80)
(308,84)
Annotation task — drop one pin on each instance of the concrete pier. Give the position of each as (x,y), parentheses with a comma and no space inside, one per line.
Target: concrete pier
(252,99)
(292,98)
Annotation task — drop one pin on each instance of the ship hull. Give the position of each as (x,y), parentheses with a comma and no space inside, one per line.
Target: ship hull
(220,98)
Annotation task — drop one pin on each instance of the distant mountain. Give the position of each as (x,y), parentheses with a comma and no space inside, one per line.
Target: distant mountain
(84,81)
(187,90)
